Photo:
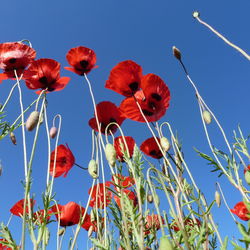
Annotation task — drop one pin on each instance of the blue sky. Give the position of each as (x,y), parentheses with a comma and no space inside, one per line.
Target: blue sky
(143,31)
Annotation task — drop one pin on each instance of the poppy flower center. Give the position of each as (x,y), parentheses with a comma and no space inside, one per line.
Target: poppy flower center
(155,153)
(156,96)
(84,64)
(12,60)
(63,160)
(43,80)
(134,86)
(147,113)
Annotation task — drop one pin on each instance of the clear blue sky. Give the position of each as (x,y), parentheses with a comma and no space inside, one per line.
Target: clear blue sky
(143,31)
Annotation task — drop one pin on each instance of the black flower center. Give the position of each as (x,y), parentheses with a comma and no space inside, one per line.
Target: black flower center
(84,64)
(134,86)
(43,80)
(156,96)
(147,113)
(12,60)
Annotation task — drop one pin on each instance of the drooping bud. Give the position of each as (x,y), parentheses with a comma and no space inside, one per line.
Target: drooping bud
(165,243)
(217,198)
(32,120)
(90,231)
(247,177)
(92,169)
(53,132)
(196,14)
(61,231)
(165,144)
(110,154)
(176,53)
(13,138)
(207,117)
(150,198)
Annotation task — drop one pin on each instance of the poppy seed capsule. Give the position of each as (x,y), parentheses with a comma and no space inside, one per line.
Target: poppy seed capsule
(176,53)
(196,14)
(92,169)
(165,243)
(150,198)
(32,120)
(110,154)
(207,117)
(165,144)
(247,177)
(53,132)
(13,138)
(217,198)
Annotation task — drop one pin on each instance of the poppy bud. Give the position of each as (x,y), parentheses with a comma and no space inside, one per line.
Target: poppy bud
(150,198)
(165,144)
(92,169)
(196,14)
(53,132)
(217,198)
(207,117)
(247,177)
(46,236)
(110,154)
(165,243)
(90,231)
(156,200)
(13,138)
(32,120)
(92,216)
(61,231)
(176,53)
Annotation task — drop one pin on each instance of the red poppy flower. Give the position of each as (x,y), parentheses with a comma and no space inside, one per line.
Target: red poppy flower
(87,224)
(64,161)
(81,59)
(3,246)
(125,78)
(241,211)
(107,112)
(187,222)
(15,56)
(152,223)
(150,148)
(130,195)
(123,181)
(17,209)
(45,74)
(97,196)
(68,214)
(153,99)
(38,216)
(120,147)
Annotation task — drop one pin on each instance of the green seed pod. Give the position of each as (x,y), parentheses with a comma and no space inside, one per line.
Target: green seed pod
(217,198)
(165,243)
(156,200)
(207,117)
(176,53)
(46,236)
(150,198)
(90,231)
(92,169)
(53,132)
(247,177)
(110,154)
(165,144)
(92,216)
(13,138)
(32,120)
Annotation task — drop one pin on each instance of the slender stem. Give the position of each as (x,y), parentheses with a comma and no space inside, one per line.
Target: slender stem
(79,166)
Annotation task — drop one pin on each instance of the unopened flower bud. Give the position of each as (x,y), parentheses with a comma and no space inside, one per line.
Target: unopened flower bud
(176,53)
(165,243)
(53,132)
(13,138)
(247,177)
(196,14)
(92,169)
(207,117)
(61,231)
(92,216)
(90,231)
(32,120)
(165,144)
(110,154)
(150,198)
(156,200)
(217,198)
(46,236)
